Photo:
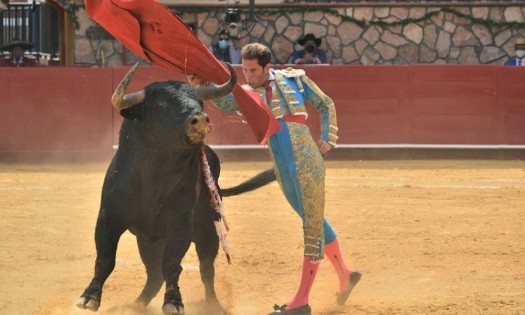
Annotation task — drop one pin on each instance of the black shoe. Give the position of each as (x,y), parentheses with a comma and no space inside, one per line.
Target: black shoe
(355,276)
(280,310)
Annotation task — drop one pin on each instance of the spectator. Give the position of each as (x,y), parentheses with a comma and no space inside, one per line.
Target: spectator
(311,54)
(519,60)
(17,49)
(225,50)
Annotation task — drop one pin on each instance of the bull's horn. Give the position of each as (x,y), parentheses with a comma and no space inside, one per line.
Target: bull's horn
(121,100)
(212,91)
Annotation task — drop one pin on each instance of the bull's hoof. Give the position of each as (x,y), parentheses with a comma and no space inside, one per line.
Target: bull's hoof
(88,304)
(170,309)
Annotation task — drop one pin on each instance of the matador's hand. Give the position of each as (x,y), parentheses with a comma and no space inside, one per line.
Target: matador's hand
(196,80)
(323,146)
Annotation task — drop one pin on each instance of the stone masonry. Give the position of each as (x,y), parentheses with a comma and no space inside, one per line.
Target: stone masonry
(435,36)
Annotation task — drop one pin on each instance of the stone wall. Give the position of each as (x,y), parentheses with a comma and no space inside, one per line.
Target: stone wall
(362,34)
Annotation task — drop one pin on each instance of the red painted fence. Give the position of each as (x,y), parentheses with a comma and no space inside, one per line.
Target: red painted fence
(65,113)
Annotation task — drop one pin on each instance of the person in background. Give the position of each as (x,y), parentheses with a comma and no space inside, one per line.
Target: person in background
(311,54)
(225,49)
(298,164)
(17,58)
(519,48)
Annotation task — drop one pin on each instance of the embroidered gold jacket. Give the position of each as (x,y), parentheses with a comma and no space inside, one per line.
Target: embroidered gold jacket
(292,89)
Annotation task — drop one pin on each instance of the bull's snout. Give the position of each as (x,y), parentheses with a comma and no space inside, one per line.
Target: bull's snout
(198,120)
(199,126)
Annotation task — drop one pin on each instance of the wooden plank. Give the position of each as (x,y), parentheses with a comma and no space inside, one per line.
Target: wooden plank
(377,106)
(466,137)
(453,105)
(516,128)
(459,73)
(453,88)
(51,112)
(481,123)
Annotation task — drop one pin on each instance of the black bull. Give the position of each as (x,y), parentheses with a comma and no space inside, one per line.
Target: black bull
(154,188)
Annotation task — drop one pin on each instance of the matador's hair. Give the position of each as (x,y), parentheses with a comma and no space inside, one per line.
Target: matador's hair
(257,51)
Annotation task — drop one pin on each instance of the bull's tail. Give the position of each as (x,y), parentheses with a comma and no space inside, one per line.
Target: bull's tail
(258,181)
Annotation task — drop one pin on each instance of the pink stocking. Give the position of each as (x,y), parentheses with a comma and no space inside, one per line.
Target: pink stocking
(307,280)
(333,252)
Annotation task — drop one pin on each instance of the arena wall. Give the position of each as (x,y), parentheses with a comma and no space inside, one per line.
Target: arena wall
(352,33)
(49,114)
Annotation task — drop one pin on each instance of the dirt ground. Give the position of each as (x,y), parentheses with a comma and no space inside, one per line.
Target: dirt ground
(429,237)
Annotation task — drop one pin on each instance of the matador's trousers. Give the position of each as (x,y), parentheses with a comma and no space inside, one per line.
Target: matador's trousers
(300,171)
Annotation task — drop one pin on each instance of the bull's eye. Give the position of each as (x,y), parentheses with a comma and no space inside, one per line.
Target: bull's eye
(194,121)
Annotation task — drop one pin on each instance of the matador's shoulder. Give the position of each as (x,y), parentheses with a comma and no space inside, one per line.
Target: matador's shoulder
(291,72)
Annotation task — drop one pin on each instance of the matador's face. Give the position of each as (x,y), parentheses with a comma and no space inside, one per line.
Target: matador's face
(255,74)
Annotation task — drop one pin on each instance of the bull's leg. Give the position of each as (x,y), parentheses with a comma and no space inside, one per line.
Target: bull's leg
(151,255)
(107,235)
(177,244)
(206,245)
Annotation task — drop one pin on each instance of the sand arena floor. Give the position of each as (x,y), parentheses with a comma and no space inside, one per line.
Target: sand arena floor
(430,237)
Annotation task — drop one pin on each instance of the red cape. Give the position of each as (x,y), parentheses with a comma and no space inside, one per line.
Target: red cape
(153,32)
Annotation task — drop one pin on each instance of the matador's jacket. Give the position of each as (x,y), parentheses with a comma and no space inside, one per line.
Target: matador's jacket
(297,160)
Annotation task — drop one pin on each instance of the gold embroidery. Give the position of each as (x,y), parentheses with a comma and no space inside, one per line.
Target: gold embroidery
(311,173)
(310,170)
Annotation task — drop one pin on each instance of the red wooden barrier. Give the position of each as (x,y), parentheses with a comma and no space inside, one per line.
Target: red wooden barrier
(511,107)
(48,113)
(66,112)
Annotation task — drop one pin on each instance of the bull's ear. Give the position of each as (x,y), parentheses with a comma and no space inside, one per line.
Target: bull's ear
(135,112)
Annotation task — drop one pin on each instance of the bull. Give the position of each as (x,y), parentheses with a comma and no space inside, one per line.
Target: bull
(154,188)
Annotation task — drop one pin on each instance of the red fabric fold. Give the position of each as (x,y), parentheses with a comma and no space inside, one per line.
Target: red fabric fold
(153,32)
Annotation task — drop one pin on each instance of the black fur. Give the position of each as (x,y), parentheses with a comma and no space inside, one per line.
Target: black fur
(154,188)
